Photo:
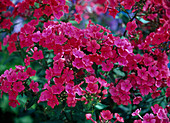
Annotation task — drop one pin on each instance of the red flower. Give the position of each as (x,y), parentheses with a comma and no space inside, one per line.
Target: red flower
(30,72)
(118,118)
(78,18)
(68,74)
(131,26)
(13,103)
(92,88)
(22,76)
(60,39)
(107,66)
(126,86)
(38,55)
(91,79)
(12,77)
(92,46)
(53,101)
(58,88)
(6,24)
(18,86)
(137,100)
(34,86)
(143,73)
(78,63)
(113,12)
(107,115)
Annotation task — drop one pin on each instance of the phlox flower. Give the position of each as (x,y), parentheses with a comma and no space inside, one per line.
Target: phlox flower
(106,114)
(18,86)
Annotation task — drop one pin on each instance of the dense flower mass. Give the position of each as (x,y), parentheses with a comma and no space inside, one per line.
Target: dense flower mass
(65,66)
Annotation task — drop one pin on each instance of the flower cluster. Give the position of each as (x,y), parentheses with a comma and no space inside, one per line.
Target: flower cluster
(80,65)
(14,83)
(159,115)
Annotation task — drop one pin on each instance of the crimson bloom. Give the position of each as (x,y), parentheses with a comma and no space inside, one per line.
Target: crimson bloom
(106,114)
(34,86)
(92,46)
(18,86)
(126,86)
(13,103)
(6,24)
(107,66)
(131,26)
(143,73)
(53,101)
(113,12)
(92,88)
(38,55)
(118,118)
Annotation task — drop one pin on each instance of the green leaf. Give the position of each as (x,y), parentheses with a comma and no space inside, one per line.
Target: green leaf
(100,106)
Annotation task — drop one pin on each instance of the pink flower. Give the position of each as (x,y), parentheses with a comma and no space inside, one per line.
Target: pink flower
(107,66)
(153,71)
(6,86)
(11,48)
(144,90)
(91,79)
(12,95)
(6,24)
(137,121)
(143,73)
(22,76)
(77,18)
(60,39)
(49,73)
(137,100)
(58,88)
(148,61)
(30,72)
(126,86)
(53,101)
(78,63)
(68,74)
(78,53)
(38,13)
(149,118)
(45,95)
(77,89)
(34,86)
(136,112)
(12,77)
(131,26)
(89,117)
(161,114)
(155,108)
(36,37)
(107,115)
(71,100)
(103,82)
(92,46)
(128,4)
(38,55)
(46,32)
(92,88)
(118,118)
(18,86)
(58,68)
(167,94)
(13,103)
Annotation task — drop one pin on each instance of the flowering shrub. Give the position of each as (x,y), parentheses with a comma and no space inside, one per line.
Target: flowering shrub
(68,71)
